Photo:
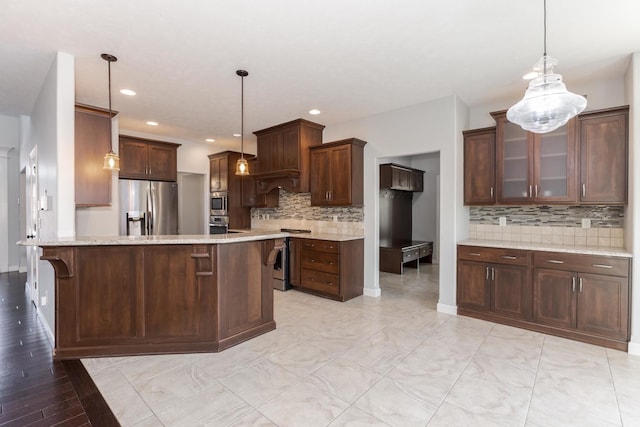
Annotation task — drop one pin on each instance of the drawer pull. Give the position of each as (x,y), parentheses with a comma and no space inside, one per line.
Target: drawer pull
(474,254)
(555,261)
(601,265)
(509,257)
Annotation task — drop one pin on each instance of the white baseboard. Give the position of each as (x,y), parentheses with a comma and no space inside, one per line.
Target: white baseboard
(447,309)
(369,292)
(22,269)
(47,328)
(634,348)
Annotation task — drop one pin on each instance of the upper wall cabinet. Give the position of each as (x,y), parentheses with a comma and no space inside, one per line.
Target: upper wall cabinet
(604,140)
(403,178)
(337,173)
(535,168)
(92,183)
(480,166)
(283,155)
(147,159)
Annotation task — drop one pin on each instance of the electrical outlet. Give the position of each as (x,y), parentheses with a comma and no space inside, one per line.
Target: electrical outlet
(335,218)
(43,301)
(502,221)
(586,223)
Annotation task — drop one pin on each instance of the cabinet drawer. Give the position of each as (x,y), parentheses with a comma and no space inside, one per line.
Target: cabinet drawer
(320,245)
(321,261)
(610,266)
(494,255)
(425,251)
(410,255)
(320,281)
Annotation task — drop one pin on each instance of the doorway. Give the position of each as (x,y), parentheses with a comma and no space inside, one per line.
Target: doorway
(32,223)
(191,203)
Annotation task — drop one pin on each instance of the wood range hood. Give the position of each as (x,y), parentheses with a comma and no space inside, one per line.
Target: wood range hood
(283,156)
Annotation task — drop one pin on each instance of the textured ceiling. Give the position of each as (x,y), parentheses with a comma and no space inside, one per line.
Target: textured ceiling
(347,58)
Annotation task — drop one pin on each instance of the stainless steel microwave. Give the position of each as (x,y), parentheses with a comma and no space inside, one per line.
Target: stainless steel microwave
(219,203)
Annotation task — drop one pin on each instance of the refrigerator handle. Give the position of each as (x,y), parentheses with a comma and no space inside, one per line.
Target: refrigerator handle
(150,210)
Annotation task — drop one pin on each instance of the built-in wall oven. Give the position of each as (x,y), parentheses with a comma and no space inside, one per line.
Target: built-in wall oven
(219,203)
(218,224)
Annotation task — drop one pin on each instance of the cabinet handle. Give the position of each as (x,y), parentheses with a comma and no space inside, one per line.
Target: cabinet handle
(474,254)
(493,273)
(530,190)
(508,257)
(601,265)
(581,284)
(149,170)
(491,191)
(536,190)
(555,261)
(487,276)
(573,284)
(584,190)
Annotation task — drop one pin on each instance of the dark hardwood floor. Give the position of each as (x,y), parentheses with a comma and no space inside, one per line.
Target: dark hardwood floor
(34,389)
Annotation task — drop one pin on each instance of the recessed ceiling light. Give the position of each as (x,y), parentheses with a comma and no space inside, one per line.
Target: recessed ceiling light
(128,92)
(530,75)
(152,123)
(314,112)
(210,140)
(237,135)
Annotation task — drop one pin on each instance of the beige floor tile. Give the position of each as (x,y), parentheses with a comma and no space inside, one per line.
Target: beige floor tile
(151,421)
(122,398)
(303,405)
(354,417)
(449,415)
(344,379)
(392,404)
(260,382)
(253,419)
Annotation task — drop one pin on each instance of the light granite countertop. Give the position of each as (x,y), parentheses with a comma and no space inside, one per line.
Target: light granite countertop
(587,250)
(235,237)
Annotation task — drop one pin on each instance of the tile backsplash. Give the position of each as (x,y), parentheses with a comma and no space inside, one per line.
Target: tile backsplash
(295,211)
(549,224)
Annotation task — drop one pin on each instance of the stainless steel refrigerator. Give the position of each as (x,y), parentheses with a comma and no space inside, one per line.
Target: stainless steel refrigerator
(148,207)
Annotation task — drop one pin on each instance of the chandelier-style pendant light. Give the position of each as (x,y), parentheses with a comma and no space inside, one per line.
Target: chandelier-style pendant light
(242,167)
(547,104)
(111,159)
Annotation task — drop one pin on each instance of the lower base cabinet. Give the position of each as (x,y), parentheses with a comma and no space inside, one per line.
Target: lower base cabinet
(582,297)
(327,268)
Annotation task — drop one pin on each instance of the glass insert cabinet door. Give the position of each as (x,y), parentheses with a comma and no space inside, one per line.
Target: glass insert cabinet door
(515,162)
(553,173)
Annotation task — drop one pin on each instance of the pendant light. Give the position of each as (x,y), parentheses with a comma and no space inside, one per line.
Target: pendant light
(242,167)
(547,104)
(111,159)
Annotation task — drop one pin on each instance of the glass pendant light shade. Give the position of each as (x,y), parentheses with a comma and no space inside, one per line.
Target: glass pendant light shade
(111,161)
(242,167)
(547,104)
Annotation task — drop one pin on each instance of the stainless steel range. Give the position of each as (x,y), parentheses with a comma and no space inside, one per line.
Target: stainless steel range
(281,265)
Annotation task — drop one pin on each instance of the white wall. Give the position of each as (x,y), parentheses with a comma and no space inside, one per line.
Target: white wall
(51,129)
(422,128)
(9,143)
(632,214)
(425,203)
(600,94)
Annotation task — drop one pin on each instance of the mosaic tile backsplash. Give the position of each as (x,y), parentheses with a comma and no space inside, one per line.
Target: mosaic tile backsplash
(552,216)
(297,206)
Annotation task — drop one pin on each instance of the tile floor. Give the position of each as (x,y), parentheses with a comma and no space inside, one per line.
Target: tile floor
(377,362)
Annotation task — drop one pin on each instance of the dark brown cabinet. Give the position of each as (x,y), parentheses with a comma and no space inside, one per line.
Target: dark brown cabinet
(403,178)
(92,183)
(251,198)
(586,294)
(480,166)
(535,168)
(604,140)
(332,269)
(283,155)
(494,280)
(222,167)
(147,159)
(337,173)
(577,296)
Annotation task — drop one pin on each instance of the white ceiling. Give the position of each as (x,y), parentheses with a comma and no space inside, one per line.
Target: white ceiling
(347,58)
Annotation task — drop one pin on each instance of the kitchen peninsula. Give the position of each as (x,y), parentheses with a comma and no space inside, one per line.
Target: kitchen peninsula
(127,295)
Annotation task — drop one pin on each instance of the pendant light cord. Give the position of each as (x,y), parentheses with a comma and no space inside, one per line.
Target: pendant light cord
(110,114)
(545,27)
(242,117)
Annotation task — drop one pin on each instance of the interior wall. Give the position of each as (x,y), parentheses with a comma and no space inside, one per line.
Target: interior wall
(51,129)
(13,206)
(426,127)
(9,144)
(190,190)
(632,215)
(425,203)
